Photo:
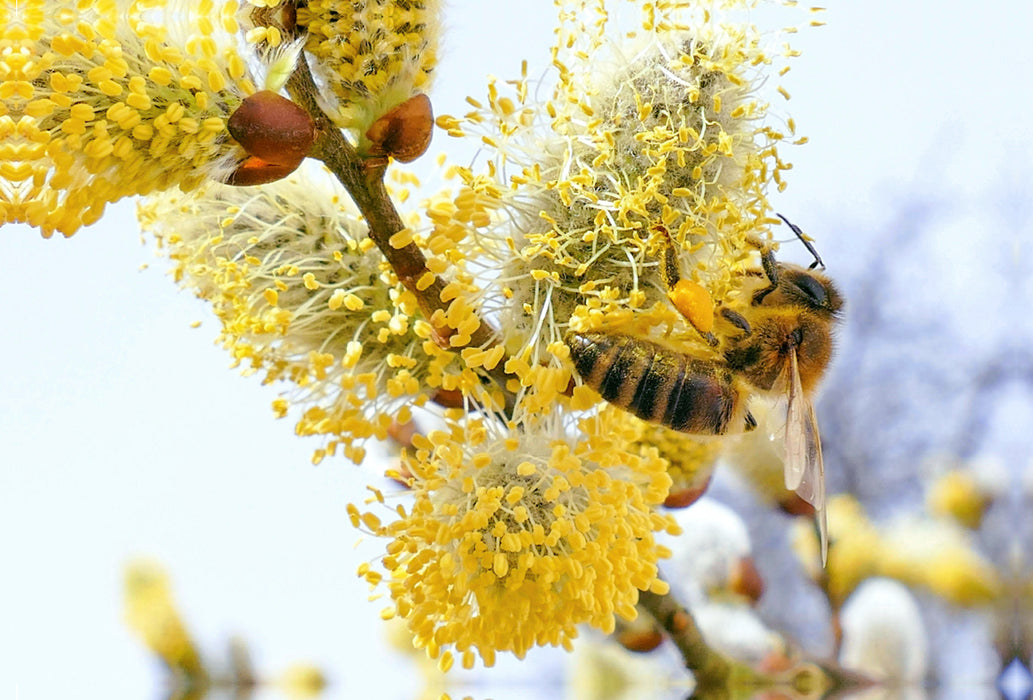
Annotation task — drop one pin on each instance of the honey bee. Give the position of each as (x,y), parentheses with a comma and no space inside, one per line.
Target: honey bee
(776,345)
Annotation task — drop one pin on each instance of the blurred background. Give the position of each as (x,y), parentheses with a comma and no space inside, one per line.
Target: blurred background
(124,434)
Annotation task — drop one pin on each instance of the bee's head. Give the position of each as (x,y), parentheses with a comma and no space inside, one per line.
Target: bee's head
(804,288)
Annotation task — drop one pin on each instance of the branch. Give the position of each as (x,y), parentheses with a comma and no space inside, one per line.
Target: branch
(711,670)
(364,180)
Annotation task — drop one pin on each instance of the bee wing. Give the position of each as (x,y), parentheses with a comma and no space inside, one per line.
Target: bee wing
(823,533)
(796,448)
(804,466)
(812,483)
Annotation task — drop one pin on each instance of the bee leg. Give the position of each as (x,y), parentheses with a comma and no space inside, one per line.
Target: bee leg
(690,299)
(767,260)
(669,270)
(751,422)
(737,320)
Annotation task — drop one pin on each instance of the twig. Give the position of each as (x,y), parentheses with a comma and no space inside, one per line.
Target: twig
(365,183)
(711,670)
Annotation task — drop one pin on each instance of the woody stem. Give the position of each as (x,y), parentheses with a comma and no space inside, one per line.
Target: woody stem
(365,184)
(709,668)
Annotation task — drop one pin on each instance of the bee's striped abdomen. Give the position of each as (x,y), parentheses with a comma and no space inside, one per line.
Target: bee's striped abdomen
(654,382)
(700,403)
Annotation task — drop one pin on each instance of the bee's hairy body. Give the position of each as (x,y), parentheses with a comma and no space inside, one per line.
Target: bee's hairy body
(776,341)
(708,393)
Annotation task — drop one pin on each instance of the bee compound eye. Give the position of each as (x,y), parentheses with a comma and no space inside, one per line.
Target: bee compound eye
(812,290)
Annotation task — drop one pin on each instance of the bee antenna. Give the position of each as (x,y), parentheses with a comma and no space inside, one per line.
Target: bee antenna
(803,239)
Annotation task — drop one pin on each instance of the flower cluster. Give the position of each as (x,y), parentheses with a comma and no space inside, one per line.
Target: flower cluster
(151,613)
(663,141)
(920,551)
(110,99)
(516,537)
(304,296)
(373,54)
(690,459)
